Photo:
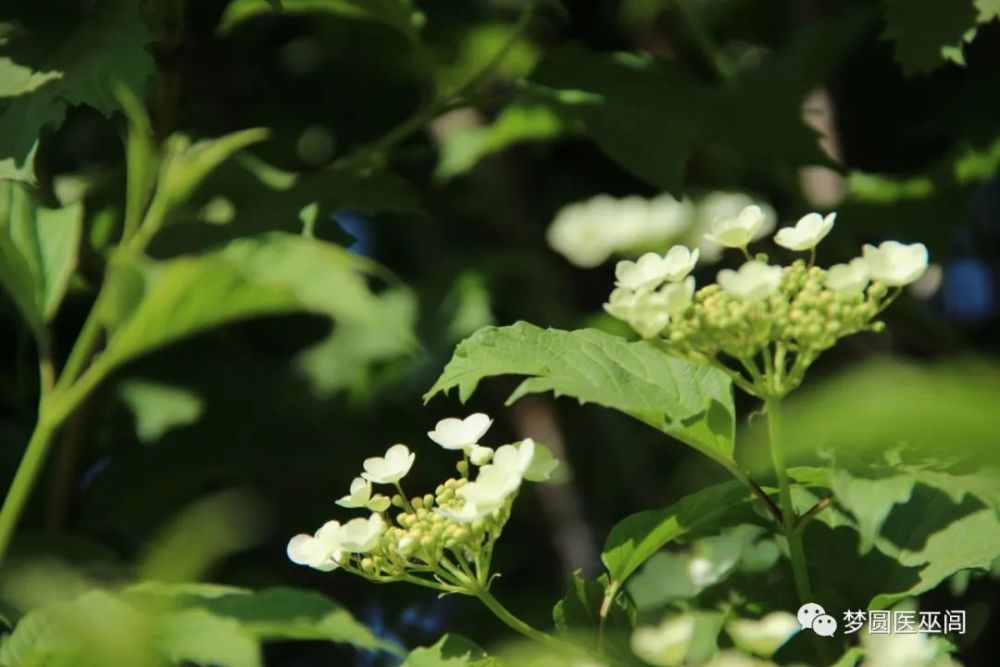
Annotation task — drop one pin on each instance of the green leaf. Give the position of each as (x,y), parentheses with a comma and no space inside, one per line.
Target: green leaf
(38,253)
(941,539)
(637,537)
(149,304)
(578,616)
(79,59)
(450,651)
(870,500)
(939,411)
(689,402)
(398,14)
(202,638)
(159,408)
(650,116)
(924,30)
(463,148)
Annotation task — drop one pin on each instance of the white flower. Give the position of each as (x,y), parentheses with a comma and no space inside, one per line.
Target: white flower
(480,455)
(807,232)
(725,205)
(651,269)
(754,280)
(649,313)
(527,459)
(319,551)
(491,489)
(896,264)
(361,496)
(359,536)
(763,636)
(588,233)
(738,231)
(454,433)
(848,278)
(391,468)
(666,644)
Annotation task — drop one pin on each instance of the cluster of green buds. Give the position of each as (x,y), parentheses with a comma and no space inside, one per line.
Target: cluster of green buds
(763,324)
(442,540)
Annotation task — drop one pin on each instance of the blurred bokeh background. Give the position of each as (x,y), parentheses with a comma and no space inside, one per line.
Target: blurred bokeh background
(270,420)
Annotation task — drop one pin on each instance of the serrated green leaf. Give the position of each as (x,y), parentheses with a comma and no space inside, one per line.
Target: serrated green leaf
(650,116)
(870,500)
(971,541)
(924,30)
(398,14)
(79,61)
(450,651)
(202,638)
(637,537)
(38,253)
(689,402)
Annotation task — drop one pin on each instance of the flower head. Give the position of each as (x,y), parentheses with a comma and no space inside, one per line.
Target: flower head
(359,536)
(896,264)
(848,278)
(666,643)
(753,281)
(454,433)
(390,468)
(648,313)
(319,551)
(651,269)
(807,232)
(738,231)
(763,636)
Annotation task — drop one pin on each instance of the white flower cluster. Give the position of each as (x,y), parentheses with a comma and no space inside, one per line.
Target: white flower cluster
(442,540)
(761,311)
(588,233)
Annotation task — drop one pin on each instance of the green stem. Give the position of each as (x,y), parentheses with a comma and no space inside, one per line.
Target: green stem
(83,350)
(24,478)
(516,624)
(795,551)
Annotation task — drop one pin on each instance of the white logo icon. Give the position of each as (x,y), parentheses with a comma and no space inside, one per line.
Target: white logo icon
(813,617)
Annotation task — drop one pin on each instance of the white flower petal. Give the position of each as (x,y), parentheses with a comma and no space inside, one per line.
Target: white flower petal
(738,231)
(361,491)
(849,278)
(391,468)
(896,264)
(454,433)
(807,232)
(753,281)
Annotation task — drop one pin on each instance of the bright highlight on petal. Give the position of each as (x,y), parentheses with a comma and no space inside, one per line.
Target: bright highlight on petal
(753,281)
(807,232)
(849,278)
(390,468)
(454,433)
(361,493)
(320,551)
(738,231)
(896,264)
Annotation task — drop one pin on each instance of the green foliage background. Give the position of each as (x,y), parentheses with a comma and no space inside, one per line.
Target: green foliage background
(190,157)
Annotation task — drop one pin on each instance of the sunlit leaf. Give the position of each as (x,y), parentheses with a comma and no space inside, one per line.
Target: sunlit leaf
(78,59)
(399,14)
(689,402)
(38,252)
(450,651)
